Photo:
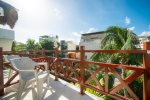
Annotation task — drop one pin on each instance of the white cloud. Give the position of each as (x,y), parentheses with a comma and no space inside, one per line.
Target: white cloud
(76,34)
(58,13)
(76,37)
(145,33)
(92,29)
(131,28)
(127,20)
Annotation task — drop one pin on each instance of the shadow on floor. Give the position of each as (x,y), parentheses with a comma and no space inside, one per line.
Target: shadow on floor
(58,90)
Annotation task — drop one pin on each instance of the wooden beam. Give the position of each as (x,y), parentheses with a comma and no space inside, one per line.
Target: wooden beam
(146,64)
(56,64)
(1,73)
(82,73)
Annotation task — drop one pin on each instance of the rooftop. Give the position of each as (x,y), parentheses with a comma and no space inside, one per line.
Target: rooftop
(144,36)
(93,33)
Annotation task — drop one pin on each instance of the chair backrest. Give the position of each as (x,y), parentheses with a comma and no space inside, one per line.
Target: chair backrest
(23,63)
(8,57)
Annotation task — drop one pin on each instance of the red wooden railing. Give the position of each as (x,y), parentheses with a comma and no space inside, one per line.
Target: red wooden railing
(67,68)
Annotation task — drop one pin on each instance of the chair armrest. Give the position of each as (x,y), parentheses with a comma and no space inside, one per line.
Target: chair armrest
(6,64)
(27,70)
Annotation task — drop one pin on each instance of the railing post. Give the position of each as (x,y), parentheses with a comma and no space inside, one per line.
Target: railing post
(146,64)
(43,51)
(56,64)
(1,73)
(82,73)
(34,52)
(30,52)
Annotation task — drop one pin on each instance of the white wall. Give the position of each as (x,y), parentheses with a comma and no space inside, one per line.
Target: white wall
(71,45)
(6,39)
(142,40)
(91,42)
(91,45)
(6,44)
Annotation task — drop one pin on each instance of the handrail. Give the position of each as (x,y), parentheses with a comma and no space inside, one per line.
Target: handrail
(119,51)
(96,51)
(131,67)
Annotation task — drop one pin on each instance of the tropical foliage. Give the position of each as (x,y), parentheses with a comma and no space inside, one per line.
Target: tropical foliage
(118,38)
(31,45)
(47,45)
(19,46)
(13,46)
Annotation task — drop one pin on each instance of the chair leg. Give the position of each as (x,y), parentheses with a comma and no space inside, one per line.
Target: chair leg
(34,95)
(20,89)
(40,90)
(10,73)
(48,80)
(47,85)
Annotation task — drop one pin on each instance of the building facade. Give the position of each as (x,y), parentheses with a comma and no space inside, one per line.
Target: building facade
(6,39)
(91,41)
(67,45)
(71,45)
(51,38)
(143,39)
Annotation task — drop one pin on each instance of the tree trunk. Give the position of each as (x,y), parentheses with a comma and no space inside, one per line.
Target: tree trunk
(124,76)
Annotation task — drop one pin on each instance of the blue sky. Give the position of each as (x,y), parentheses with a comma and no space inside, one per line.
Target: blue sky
(70,18)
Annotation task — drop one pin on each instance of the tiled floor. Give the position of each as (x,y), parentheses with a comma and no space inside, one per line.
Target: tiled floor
(59,90)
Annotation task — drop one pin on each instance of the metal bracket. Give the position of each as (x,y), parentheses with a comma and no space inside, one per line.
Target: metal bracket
(148,51)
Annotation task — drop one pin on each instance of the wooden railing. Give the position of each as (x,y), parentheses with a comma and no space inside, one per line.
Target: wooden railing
(1,73)
(74,70)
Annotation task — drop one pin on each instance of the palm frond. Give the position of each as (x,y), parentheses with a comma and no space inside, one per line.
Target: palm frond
(117,38)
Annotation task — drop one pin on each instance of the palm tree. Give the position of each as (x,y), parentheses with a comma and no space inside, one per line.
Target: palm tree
(30,44)
(8,14)
(118,38)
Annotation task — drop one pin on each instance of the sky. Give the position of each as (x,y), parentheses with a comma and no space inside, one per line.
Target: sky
(70,18)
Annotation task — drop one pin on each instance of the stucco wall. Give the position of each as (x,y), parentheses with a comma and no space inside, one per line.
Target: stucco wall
(71,45)
(6,39)
(91,45)
(91,42)
(6,44)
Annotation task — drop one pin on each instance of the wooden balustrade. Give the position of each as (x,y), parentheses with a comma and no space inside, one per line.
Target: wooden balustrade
(74,71)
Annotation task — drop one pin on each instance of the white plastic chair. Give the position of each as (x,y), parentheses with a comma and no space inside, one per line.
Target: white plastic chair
(27,73)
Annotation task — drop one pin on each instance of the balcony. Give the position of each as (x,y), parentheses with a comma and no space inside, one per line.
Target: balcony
(74,71)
